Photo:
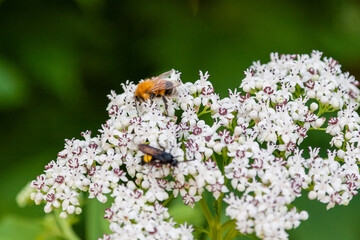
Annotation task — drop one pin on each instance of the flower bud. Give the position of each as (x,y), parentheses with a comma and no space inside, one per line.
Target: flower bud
(218,147)
(208,152)
(71,209)
(311,94)
(197,101)
(63,215)
(78,211)
(48,208)
(56,204)
(192,89)
(131,185)
(246,88)
(348,135)
(259,84)
(145,184)
(335,103)
(314,106)
(341,154)
(338,143)
(118,125)
(319,122)
(324,100)
(253,114)
(238,131)
(304,215)
(312,195)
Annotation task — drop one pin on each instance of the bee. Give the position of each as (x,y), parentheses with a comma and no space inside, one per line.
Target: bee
(156,156)
(160,86)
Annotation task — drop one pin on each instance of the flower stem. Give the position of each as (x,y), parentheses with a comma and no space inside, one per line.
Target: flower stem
(225,158)
(228,224)
(171,197)
(65,227)
(202,230)
(209,218)
(317,129)
(232,231)
(204,111)
(216,228)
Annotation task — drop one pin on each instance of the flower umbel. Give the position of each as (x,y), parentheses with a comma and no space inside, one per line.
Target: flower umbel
(245,149)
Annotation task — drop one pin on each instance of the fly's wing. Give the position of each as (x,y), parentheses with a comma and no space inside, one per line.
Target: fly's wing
(150,150)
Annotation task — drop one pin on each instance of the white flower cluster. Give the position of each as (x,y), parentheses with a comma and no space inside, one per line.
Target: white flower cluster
(246,144)
(281,106)
(132,218)
(98,165)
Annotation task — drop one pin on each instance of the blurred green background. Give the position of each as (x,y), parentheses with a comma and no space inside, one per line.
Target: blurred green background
(59,60)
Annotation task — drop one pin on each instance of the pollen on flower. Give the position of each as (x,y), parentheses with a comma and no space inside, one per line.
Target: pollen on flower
(244,149)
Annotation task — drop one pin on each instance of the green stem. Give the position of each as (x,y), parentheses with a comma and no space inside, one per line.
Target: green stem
(320,110)
(324,109)
(213,157)
(171,197)
(205,208)
(202,230)
(229,234)
(204,111)
(322,129)
(217,233)
(225,159)
(232,231)
(227,224)
(65,227)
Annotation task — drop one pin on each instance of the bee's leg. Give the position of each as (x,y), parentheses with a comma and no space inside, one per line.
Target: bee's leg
(137,107)
(165,103)
(152,96)
(136,102)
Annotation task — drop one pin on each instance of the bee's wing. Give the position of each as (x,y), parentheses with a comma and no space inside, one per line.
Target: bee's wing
(149,150)
(164,85)
(165,75)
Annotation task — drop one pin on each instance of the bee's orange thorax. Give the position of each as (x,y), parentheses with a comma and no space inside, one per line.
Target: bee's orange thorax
(143,89)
